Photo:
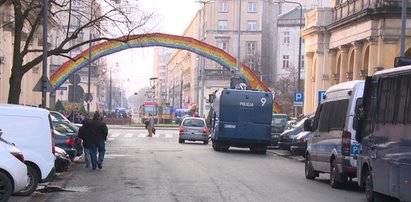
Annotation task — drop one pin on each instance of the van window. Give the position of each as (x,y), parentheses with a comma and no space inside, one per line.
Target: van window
(333,115)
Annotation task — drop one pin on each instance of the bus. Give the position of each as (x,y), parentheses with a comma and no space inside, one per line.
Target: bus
(146,109)
(383,123)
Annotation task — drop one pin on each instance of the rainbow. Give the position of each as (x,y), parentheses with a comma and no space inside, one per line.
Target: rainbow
(156,39)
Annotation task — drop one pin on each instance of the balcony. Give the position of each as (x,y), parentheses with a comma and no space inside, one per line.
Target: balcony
(351,8)
(217,74)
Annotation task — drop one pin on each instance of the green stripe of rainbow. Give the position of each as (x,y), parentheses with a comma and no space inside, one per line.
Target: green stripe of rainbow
(155,39)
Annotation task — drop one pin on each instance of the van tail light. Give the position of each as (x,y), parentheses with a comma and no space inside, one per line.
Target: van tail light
(205,131)
(53,149)
(69,142)
(301,140)
(78,140)
(346,143)
(181,129)
(18,155)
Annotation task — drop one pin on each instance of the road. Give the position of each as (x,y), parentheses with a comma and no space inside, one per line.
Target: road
(139,168)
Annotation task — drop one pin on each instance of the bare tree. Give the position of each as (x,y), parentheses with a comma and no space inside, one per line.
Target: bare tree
(284,88)
(110,20)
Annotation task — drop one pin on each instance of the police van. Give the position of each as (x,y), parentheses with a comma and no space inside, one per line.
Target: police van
(241,118)
(332,147)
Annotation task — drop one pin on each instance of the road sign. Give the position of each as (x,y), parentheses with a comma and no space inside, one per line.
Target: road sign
(62,88)
(320,96)
(38,86)
(298,98)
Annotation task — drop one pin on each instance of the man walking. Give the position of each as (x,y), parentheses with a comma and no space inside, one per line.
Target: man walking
(150,125)
(88,140)
(99,130)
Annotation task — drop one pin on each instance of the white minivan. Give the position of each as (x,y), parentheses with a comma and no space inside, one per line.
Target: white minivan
(30,129)
(332,147)
(13,171)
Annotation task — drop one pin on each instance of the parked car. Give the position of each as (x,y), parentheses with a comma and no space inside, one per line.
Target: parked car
(13,171)
(286,138)
(62,162)
(71,131)
(299,143)
(333,148)
(30,129)
(193,129)
(65,142)
(278,125)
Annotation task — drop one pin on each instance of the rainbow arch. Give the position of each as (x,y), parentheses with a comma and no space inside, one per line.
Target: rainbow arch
(156,39)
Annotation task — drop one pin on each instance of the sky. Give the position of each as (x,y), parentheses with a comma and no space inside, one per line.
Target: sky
(135,66)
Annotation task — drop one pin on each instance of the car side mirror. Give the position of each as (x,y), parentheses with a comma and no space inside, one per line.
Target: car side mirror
(308,125)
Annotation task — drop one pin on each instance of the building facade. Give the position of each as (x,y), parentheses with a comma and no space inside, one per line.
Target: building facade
(349,41)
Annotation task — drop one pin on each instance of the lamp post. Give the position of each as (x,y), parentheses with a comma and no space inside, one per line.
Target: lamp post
(202,68)
(88,98)
(238,39)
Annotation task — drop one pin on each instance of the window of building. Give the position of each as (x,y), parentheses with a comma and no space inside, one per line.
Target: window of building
(252,64)
(223,45)
(302,62)
(252,25)
(252,7)
(222,25)
(286,61)
(223,7)
(286,39)
(251,47)
(75,21)
(76,2)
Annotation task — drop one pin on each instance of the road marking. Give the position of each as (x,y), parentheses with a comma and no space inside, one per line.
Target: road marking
(169,136)
(115,135)
(142,135)
(128,135)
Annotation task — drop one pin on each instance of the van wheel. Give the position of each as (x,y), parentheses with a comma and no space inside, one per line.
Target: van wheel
(33,181)
(5,187)
(369,190)
(215,146)
(309,173)
(335,180)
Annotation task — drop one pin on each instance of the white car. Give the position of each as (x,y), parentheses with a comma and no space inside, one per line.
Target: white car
(13,171)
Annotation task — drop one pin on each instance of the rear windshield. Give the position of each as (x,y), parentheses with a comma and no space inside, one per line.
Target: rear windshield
(193,122)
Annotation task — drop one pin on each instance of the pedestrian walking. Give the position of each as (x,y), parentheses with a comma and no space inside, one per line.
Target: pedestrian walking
(100,131)
(150,125)
(88,140)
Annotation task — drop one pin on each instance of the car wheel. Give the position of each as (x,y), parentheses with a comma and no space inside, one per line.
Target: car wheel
(309,173)
(5,187)
(33,181)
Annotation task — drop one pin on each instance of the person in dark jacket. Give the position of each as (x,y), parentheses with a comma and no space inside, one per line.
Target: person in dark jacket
(98,129)
(88,140)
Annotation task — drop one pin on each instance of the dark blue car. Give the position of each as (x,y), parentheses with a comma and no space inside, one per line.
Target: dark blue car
(66,143)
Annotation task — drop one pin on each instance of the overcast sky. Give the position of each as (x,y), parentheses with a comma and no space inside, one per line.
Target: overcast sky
(136,65)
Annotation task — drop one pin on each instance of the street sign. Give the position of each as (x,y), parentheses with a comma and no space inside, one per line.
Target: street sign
(298,99)
(320,96)
(62,88)
(38,86)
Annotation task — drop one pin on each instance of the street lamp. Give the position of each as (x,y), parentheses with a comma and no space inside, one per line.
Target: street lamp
(88,97)
(202,68)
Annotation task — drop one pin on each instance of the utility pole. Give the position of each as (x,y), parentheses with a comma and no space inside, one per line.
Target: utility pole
(238,39)
(45,50)
(88,97)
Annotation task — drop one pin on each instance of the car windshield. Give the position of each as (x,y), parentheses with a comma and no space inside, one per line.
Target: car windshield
(194,122)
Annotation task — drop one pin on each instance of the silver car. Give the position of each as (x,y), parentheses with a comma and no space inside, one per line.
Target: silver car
(193,129)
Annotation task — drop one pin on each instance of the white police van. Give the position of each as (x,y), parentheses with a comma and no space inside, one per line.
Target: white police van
(332,147)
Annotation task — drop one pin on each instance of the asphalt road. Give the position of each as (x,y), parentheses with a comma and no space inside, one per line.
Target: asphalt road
(139,168)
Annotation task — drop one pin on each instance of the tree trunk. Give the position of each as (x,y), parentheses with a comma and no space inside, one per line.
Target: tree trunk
(15,85)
